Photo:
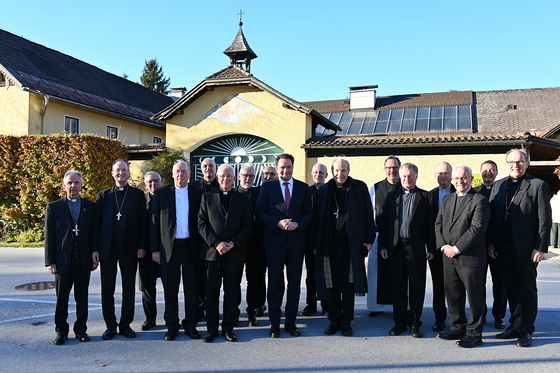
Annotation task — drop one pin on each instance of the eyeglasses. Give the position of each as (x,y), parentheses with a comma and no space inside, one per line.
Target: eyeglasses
(461,178)
(249,176)
(153,181)
(513,163)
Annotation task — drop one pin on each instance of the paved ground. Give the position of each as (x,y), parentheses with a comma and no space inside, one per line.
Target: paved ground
(27,332)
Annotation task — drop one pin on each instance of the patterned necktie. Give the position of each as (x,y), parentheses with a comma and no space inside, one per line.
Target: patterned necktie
(287,195)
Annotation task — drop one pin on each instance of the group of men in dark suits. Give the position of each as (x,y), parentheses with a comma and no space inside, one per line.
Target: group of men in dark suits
(197,236)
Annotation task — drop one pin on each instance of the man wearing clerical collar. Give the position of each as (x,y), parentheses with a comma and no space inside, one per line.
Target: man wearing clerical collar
(345,230)
(460,233)
(255,271)
(406,232)
(119,217)
(522,221)
(208,181)
(224,222)
(68,237)
(148,270)
(489,172)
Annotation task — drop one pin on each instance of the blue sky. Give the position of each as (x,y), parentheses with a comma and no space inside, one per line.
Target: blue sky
(311,50)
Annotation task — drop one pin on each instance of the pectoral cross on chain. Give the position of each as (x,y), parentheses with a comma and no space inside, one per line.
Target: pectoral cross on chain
(76,229)
(119,216)
(336,214)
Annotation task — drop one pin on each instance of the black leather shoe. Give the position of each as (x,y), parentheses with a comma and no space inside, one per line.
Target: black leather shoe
(170,335)
(469,342)
(509,333)
(127,331)
(209,337)
(347,331)
(147,325)
(416,332)
(292,329)
(274,331)
(374,313)
(397,330)
(332,329)
(451,335)
(499,323)
(251,319)
(83,337)
(109,333)
(524,340)
(230,336)
(193,333)
(308,311)
(60,339)
(438,327)
(260,311)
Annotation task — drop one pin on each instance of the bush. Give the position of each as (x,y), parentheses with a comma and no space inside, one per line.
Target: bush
(163,165)
(32,168)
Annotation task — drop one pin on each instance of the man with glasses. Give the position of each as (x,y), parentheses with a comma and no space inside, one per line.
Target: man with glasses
(522,220)
(444,188)
(148,270)
(378,271)
(255,270)
(489,171)
(319,175)
(268,173)
(460,235)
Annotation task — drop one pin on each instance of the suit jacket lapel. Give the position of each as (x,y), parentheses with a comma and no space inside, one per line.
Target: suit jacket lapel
(282,205)
(523,187)
(462,203)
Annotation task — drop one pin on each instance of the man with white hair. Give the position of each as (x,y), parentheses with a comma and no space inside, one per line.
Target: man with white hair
(460,235)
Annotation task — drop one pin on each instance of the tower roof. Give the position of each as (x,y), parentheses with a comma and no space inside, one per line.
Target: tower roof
(239,51)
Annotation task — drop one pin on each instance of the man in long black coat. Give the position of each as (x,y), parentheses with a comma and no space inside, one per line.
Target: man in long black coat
(345,233)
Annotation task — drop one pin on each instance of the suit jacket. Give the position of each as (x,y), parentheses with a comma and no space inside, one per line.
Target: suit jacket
(164,221)
(59,236)
(215,228)
(360,229)
(104,215)
(422,234)
(531,216)
(271,209)
(465,228)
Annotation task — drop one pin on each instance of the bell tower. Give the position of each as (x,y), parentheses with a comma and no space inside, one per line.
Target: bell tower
(239,52)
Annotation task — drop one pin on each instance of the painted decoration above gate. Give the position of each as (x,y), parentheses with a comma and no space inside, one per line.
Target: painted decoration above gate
(234,109)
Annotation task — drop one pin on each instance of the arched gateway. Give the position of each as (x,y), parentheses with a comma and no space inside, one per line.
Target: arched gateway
(236,150)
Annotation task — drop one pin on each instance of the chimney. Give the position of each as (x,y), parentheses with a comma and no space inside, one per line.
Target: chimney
(362,97)
(177,93)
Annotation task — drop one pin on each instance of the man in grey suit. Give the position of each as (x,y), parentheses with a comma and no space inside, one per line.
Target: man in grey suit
(174,243)
(521,219)
(460,235)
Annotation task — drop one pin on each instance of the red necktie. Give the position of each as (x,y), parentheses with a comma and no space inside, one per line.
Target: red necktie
(287,195)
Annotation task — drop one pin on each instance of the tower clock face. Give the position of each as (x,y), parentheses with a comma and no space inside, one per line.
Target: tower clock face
(237,150)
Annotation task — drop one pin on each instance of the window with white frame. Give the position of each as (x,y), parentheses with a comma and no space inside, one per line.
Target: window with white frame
(157,140)
(112,132)
(71,125)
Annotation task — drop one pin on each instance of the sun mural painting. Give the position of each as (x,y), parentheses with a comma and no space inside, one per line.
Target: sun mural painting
(237,150)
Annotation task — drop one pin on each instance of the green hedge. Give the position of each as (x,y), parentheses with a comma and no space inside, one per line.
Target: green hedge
(31,171)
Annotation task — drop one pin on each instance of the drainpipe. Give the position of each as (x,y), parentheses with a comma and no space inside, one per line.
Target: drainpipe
(42,113)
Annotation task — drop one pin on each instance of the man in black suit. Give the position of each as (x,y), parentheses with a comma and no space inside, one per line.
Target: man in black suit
(406,230)
(68,239)
(148,270)
(284,208)
(224,222)
(460,234)
(521,220)
(489,171)
(444,188)
(119,219)
(345,230)
(319,173)
(175,244)
(255,267)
